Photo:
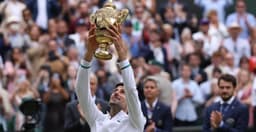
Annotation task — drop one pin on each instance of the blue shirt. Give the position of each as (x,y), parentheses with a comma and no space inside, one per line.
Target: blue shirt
(245,31)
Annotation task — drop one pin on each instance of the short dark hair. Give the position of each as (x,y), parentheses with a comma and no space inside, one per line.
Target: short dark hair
(119,84)
(228,78)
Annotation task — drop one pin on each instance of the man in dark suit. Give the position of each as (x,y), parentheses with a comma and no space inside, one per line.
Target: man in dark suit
(75,121)
(227,115)
(158,115)
(43,10)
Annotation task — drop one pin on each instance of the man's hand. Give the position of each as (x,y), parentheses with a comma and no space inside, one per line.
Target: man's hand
(215,119)
(120,46)
(198,78)
(151,127)
(91,43)
(187,93)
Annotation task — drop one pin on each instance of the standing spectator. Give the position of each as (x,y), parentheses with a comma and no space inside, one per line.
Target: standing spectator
(228,114)
(235,44)
(63,39)
(158,115)
(198,74)
(80,35)
(72,55)
(70,82)
(27,18)
(217,28)
(214,96)
(210,43)
(55,99)
(12,8)
(218,5)
(52,28)
(137,19)
(246,20)
(43,10)
(173,49)
(230,67)
(14,33)
(187,42)
(206,87)
(57,62)
(244,91)
(22,91)
(131,40)
(216,62)
(188,96)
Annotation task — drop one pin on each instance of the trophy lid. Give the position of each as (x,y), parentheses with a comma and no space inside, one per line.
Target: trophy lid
(109,4)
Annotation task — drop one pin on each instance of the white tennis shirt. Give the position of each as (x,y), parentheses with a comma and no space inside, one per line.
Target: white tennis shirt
(121,122)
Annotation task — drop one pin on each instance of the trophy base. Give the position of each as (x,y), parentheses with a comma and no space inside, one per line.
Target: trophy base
(103,55)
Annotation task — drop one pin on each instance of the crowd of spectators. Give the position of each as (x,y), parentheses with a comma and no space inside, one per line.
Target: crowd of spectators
(43,41)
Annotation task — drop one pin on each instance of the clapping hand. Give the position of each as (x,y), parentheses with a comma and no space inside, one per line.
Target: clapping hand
(151,127)
(187,93)
(215,119)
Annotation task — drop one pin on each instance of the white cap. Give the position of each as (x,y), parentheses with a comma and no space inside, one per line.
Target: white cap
(12,19)
(234,25)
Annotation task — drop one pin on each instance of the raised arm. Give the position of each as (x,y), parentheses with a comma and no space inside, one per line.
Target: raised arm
(134,108)
(83,90)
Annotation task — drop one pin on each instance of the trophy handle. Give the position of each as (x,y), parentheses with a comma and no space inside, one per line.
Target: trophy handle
(122,15)
(93,18)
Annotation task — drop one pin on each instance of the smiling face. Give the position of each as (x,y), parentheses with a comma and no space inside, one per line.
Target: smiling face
(118,98)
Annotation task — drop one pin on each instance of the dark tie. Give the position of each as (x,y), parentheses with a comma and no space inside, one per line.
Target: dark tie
(224,107)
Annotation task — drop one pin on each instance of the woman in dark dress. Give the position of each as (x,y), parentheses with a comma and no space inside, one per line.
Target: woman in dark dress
(55,100)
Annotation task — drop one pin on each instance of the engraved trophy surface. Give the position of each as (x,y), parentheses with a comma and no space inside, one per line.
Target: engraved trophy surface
(103,18)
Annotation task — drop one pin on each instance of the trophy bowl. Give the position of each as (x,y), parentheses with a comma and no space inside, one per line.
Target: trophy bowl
(103,18)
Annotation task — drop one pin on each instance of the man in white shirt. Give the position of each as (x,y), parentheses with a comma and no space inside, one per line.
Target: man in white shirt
(188,96)
(124,98)
(236,45)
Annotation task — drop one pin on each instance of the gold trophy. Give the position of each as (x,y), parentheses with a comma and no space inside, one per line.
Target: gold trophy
(103,18)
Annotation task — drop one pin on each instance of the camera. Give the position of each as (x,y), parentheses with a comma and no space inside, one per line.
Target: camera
(31,109)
